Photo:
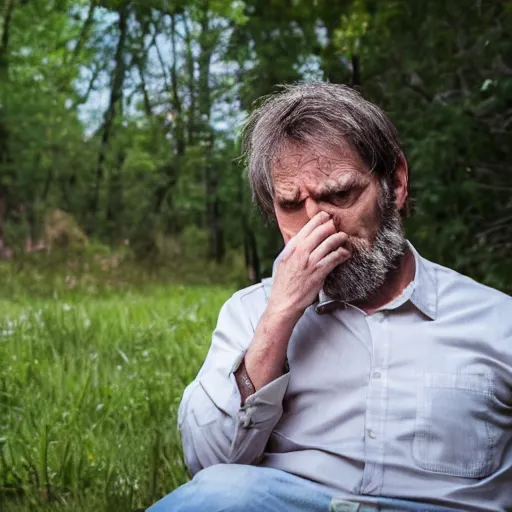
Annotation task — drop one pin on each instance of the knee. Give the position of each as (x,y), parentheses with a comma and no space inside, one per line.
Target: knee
(182,499)
(234,486)
(167,503)
(223,487)
(229,476)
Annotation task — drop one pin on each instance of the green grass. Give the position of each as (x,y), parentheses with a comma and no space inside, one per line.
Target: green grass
(89,391)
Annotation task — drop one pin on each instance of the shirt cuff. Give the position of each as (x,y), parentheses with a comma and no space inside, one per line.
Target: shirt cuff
(266,403)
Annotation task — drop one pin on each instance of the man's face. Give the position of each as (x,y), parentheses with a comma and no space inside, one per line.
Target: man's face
(310,179)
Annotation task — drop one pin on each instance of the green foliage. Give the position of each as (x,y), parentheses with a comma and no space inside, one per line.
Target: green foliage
(445,81)
(124,115)
(99,271)
(156,161)
(194,240)
(90,389)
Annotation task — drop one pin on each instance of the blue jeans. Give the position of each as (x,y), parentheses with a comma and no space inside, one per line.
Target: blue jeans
(241,488)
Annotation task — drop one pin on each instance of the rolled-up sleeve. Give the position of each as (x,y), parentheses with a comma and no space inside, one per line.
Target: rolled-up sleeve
(214,427)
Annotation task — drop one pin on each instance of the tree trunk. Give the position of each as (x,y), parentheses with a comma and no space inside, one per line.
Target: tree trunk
(162,190)
(4,48)
(86,28)
(252,260)
(4,250)
(115,199)
(168,173)
(179,130)
(145,96)
(6,162)
(356,71)
(114,210)
(335,71)
(331,59)
(116,94)
(189,58)
(207,41)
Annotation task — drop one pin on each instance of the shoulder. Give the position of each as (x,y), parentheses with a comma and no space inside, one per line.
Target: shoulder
(451,281)
(251,295)
(457,292)
(248,303)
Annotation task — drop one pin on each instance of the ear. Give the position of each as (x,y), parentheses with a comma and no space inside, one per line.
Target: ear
(401,182)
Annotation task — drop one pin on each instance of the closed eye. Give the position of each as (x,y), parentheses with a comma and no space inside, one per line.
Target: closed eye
(340,198)
(290,205)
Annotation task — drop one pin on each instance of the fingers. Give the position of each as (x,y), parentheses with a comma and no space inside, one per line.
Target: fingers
(288,249)
(318,235)
(320,219)
(329,245)
(333,259)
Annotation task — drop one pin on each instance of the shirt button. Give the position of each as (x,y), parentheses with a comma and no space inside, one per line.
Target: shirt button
(377,375)
(372,434)
(379,317)
(246,419)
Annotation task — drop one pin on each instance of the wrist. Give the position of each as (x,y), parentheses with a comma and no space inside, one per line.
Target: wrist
(283,314)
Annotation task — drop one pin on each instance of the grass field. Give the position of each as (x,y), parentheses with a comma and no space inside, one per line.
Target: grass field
(89,390)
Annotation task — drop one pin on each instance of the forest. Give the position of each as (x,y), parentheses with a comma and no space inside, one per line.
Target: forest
(119,120)
(126,219)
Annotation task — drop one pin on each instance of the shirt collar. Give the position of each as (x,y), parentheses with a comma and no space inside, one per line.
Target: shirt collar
(421,291)
(424,294)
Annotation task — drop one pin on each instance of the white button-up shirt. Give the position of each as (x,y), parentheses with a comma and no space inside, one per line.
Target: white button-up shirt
(413,401)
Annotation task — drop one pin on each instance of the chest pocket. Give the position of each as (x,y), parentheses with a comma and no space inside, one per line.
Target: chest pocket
(454,434)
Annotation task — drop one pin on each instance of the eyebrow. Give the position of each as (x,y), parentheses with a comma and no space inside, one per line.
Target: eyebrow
(288,200)
(340,185)
(328,189)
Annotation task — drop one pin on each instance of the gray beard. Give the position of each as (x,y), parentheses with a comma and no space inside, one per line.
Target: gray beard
(371,261)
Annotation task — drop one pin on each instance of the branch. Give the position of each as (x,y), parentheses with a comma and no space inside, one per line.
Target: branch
(415,83)
(174,74)
(189,60)
(90,87)
(147,103)
(493,229)
(161,60)
(86,27)
(4,49)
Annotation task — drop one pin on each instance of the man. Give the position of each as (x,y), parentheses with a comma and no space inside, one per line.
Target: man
(361,376)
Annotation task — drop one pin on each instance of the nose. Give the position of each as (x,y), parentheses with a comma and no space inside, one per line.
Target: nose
(312,207)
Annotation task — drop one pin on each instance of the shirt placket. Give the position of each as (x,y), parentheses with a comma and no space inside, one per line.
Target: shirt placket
(376,404)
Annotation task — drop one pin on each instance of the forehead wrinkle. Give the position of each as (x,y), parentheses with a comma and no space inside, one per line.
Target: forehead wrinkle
(287,165)
(306,162)
(287,188)
(302,159)
(299,167)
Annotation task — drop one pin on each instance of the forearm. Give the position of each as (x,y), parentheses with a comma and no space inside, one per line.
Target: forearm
(215,429)
(265,359)
(230,411)
(215,425)
(299,275)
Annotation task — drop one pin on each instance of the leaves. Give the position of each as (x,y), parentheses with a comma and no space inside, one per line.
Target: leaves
(193,68)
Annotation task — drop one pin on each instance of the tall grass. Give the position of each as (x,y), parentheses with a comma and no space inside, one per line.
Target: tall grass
(89,389)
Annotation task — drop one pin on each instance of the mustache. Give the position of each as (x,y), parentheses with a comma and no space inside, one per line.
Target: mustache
(371,261)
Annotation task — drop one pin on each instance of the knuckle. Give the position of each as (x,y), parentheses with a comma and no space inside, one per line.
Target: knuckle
(301,255)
